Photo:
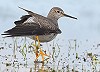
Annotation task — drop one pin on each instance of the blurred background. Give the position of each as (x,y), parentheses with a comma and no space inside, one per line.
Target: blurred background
(85,30)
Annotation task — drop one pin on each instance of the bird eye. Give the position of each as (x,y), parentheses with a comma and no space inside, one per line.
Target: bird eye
(58,11)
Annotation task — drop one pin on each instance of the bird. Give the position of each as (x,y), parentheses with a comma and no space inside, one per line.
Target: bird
(38,27)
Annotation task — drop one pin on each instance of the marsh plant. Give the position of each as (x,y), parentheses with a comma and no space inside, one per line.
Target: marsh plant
(75,56)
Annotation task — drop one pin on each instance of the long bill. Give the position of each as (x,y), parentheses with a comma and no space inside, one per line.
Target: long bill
(69,16)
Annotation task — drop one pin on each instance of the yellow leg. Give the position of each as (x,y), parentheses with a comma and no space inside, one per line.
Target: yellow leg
(37,38)
(36,48)
(43,54)
(40,52)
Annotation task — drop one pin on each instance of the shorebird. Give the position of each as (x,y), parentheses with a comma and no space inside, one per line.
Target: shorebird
(38,27)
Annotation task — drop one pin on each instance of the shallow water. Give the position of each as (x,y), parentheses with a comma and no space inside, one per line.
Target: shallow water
(18,55)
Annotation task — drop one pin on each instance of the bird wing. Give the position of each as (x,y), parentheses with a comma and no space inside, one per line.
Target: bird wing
(26,30)
(23,19)
(36,18)
(39,20)
(32,24)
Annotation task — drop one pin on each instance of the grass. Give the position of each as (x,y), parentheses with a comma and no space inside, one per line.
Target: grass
(19,55)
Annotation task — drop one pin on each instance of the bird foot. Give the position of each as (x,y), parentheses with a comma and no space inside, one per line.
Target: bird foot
(38,50)
(42,54)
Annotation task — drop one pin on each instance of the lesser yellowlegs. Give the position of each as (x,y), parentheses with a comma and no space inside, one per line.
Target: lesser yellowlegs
(38,27)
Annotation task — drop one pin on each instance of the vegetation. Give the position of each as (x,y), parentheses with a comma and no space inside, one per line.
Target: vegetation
(80,56)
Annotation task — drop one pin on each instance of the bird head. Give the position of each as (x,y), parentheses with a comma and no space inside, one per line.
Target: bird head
(57,12)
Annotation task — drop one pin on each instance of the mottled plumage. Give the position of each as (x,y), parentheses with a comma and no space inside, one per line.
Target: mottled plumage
(33,24)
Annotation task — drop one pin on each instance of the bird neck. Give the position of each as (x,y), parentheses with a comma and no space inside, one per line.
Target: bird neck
(53,18)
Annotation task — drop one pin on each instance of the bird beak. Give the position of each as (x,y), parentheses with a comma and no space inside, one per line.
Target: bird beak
(69,16)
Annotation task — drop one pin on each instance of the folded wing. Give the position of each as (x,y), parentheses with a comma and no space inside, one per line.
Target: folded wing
(29,30)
